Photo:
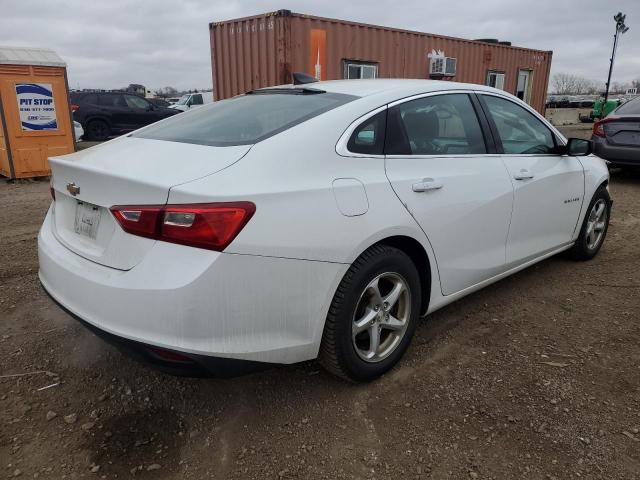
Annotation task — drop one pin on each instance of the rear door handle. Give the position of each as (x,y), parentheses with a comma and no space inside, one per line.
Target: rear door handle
(523,174)
(426,184)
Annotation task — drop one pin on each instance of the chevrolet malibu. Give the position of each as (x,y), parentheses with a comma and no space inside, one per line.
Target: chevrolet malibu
(312,221)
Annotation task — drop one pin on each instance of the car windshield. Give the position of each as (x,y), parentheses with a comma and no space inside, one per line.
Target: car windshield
(183,100)
(246,119)
(631,107)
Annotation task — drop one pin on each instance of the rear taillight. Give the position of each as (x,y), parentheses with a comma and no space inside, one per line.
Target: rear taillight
(598,129)
(74,107)
(203,225)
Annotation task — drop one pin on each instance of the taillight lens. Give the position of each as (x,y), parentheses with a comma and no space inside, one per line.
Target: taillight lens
(203,225)
(598,129)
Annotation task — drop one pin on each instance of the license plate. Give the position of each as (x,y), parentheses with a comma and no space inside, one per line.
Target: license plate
(87,219)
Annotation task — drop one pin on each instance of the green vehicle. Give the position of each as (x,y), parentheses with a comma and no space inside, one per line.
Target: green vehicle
(598,106)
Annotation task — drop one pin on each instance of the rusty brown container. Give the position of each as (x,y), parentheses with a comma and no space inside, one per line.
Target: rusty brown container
(264,50)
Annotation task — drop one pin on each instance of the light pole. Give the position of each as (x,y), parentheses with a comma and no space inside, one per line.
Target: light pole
(620,28)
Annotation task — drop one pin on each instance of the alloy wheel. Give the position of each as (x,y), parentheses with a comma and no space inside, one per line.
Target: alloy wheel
(381,317)
(596,224)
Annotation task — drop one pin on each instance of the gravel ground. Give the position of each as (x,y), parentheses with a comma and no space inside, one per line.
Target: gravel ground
(536,377)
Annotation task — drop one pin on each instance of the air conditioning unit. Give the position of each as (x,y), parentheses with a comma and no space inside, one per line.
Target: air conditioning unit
(440,65)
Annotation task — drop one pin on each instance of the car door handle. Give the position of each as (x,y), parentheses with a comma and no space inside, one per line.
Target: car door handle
(426,184)
(523,174)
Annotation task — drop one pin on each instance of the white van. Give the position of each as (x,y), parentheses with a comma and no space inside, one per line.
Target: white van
(190,100)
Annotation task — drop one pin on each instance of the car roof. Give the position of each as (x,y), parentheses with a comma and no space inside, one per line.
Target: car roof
(373,86)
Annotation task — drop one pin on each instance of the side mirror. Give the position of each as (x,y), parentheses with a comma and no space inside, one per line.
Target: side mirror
(579,147)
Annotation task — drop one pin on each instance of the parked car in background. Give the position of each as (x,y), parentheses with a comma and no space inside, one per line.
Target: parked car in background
(103,114)
(78,130)
(191,100)
(173,100)
(313,221)
(617,137)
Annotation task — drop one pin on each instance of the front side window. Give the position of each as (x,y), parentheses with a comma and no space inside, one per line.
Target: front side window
(246,119)
(353,69)
(368,137)
(196,99)
(134,101)
(435,125)
(112,100)
(519,130)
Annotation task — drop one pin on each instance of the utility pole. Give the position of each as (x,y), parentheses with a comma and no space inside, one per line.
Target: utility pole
(620,29)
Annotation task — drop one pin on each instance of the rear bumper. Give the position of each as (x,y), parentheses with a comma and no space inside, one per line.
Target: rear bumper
(197,302)
(171,361)
(615,154)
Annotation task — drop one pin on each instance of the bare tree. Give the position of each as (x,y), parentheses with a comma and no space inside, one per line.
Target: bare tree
(569,84)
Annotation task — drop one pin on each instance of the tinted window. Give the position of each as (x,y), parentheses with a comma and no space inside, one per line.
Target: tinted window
(91,98)
(519,130)
(244,120)
(112,100)
(436,125)
(631,107)
(368,138)
(136,102)
(196,99)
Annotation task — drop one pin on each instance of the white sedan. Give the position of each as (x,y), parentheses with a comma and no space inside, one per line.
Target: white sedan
(312,221)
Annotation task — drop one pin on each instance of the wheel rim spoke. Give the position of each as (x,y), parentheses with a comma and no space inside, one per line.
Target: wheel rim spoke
(392,297)
(374,341)
(374,289)
(392,323)
(364,322)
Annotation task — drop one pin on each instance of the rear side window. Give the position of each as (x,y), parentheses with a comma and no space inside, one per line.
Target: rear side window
(630,108)
(246,119)
(519,130)
(368,138)
(435,125)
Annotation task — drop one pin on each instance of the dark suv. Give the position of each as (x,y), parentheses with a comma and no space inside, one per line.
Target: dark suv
(103,114)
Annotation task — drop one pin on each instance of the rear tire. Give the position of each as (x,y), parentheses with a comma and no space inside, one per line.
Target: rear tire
(594,227)
(97,130)
(373,315)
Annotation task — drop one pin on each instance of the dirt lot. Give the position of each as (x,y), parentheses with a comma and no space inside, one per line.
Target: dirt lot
(535,377)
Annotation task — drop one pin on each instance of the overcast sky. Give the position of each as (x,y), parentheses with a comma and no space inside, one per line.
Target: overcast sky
(112,43)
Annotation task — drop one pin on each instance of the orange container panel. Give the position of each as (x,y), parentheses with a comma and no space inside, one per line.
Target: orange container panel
(36,120)
(242,59)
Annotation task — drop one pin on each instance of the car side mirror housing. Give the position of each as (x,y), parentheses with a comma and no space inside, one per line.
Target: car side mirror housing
(579,147)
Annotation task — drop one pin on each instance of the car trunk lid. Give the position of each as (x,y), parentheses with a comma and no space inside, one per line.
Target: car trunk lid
(126,171)
(623,131)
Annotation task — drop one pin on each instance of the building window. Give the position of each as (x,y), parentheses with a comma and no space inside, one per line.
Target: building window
(353,69)
(495,80)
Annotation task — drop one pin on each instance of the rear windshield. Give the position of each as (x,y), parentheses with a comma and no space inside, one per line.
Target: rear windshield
(631,107)
(246,119)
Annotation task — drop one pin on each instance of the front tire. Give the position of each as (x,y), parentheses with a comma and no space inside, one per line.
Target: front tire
(373,315)
(594,227)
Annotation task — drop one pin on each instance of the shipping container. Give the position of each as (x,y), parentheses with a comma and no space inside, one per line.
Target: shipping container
(264,50)
(35,116)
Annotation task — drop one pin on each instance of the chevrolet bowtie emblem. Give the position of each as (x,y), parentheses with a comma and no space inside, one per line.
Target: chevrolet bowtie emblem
(73,189)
